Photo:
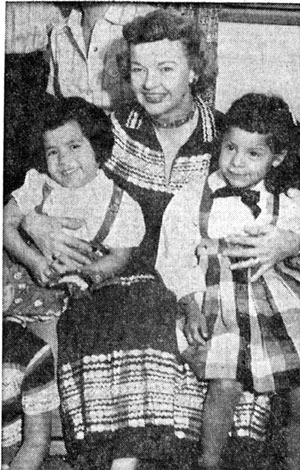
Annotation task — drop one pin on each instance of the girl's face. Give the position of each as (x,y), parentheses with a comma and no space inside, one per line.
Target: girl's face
(246,158)
(160,77)
(70,157)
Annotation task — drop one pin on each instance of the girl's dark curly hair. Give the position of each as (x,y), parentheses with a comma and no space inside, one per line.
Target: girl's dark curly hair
(166,24)
(271,116)
(94,123)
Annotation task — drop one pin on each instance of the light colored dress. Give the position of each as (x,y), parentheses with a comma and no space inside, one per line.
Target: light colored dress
(89,203)
(254,327)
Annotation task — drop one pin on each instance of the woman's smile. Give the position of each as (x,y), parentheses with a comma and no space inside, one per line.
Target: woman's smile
(160,77)
(154,97)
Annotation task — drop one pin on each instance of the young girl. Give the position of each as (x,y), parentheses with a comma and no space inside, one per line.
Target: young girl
(243,335)
(67,182)
(29,392)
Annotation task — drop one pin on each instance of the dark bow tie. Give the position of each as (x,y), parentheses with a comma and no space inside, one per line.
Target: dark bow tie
(248,197)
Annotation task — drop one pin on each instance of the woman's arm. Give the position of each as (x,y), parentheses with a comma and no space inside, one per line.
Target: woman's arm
(15,245)
(108,265)
(264,248)
(47,234)
(36,442)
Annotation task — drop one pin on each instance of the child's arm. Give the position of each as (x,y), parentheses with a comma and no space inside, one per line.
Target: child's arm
(36,442)
(15,245)
(195,328)
(108,265)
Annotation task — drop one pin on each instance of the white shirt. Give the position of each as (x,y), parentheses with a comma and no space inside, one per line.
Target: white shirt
(93,76)
(180,234)
(88,203)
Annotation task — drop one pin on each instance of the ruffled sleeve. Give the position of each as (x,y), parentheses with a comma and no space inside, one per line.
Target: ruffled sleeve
(30,194)
(176,260)
(289,215)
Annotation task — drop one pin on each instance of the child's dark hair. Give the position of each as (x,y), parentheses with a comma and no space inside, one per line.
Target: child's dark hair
(95,125)
(271,116)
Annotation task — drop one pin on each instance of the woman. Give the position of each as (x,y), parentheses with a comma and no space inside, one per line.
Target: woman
(128,400)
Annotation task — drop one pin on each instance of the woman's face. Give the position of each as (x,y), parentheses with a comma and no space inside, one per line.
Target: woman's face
(160,78)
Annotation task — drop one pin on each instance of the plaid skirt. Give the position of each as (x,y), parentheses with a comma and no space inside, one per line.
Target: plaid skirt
(254,328)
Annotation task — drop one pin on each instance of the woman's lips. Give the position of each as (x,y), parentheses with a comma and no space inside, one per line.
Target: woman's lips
(154,97)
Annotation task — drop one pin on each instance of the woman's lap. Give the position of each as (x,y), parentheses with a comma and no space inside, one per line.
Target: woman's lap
(122,381)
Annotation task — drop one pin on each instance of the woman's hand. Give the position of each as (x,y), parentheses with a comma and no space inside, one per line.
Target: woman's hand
(263,246)
(48,236)
(195,328)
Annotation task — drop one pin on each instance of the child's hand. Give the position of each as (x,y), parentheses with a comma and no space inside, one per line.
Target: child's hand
(195,328)
(93,272)
(40,269)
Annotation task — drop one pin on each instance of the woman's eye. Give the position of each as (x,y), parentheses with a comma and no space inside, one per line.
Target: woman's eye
(166,69)
(136,69)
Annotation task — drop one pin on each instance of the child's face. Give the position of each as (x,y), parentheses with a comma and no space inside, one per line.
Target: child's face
(246,158)
(70,157)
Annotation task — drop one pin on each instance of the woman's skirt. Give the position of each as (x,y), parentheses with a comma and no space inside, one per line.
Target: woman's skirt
(125,391)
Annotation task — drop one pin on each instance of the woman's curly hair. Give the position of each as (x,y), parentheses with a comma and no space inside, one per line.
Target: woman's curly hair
(94,123)
(270,115)
(168,24)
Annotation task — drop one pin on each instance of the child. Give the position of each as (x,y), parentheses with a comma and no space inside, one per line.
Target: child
(67,182)
(244,336)
(29,392)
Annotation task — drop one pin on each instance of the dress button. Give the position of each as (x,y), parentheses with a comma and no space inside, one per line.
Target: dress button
(95,49)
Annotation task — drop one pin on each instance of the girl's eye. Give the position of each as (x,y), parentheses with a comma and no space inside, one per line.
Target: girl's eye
(51,153)
(75,146)
(166,69)
(254,154)
(229,147)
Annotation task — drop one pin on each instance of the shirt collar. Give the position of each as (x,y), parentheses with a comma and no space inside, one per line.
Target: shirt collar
(115,14)
(216,181)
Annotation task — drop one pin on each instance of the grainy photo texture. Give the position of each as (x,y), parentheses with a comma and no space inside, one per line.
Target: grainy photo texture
(151,236)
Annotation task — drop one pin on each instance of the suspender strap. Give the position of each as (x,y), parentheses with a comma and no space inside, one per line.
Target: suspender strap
(110,215)
(46,193)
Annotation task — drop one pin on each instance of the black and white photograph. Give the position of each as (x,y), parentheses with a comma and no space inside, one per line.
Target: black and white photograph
(151,235)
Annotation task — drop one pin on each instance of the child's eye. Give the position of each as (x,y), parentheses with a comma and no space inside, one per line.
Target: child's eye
(229,146)
(75,146)
(254,154)
(51,153)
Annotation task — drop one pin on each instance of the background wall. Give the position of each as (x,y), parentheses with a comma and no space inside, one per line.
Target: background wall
(259,58)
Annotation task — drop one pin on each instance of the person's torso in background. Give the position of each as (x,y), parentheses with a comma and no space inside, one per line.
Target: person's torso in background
(94,75)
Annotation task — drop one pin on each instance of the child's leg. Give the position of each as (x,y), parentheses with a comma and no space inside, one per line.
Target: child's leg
(125,464)
(222,398)
(293,431)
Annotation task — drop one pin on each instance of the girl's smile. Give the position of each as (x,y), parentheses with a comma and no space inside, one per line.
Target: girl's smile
(70,157)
